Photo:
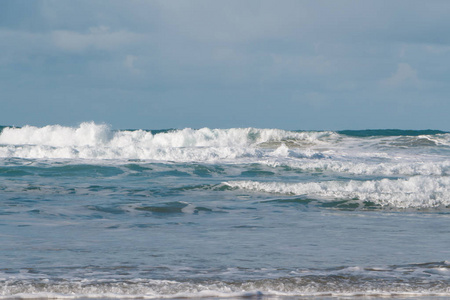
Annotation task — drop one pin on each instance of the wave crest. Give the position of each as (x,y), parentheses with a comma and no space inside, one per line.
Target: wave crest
(87,134)
(90,140)
(415,192)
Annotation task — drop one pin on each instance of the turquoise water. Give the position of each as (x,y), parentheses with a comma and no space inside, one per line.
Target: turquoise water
(89,212)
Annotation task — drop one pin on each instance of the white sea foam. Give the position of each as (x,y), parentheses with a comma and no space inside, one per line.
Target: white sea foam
(212,294)
(426,279)
(92,141)
(414,192)
(157,289)
(87,134)
(359,167)
(92,134)
(304,151)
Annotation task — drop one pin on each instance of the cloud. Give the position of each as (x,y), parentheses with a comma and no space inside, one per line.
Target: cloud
(295,64)
(311,54)
(99,38)
(404,76)
(19,46)
(129,63)
(437,49)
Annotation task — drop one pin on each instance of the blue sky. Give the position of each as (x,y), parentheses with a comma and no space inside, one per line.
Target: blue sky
(221,64)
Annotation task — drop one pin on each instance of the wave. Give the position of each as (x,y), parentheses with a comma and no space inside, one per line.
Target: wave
(93,135)
(90,140)
(415,280)
(416,192)
(99,141)
(366,168)
(390,132)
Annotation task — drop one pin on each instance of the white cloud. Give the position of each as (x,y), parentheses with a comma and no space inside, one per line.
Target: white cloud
(129,63)
(100,38)
(437,49)
(404,76)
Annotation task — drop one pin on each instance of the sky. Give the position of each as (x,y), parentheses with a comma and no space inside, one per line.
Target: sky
(296,65)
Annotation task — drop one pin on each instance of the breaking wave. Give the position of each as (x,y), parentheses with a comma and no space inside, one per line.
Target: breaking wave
(414,192)
(415,280)
(99,141)
(94,141)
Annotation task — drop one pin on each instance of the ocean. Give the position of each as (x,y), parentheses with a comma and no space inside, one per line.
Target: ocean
(92,212)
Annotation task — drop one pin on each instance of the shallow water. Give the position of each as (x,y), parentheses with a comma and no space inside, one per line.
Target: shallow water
(89,212)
